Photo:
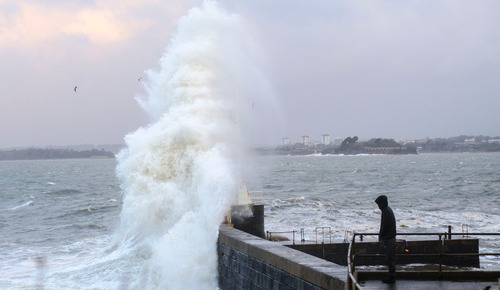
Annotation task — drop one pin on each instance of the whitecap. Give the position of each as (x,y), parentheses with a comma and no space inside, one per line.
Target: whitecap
(31,202)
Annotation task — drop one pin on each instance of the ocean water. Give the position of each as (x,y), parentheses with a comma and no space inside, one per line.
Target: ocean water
(60,219)
(55,216)
(150,218)
(427,193)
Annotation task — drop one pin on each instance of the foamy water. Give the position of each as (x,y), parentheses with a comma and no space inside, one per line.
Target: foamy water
(427,192)
(71,224)
(181,173)
(178,175)
(67,238)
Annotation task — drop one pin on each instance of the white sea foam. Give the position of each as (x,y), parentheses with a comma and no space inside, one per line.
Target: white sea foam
(23,205)
(181,173)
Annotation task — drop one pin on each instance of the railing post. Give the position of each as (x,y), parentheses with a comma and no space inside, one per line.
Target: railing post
(323,249)
(353,252)
(353,246)
(440,249)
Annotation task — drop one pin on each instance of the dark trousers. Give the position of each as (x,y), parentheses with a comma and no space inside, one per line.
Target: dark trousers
(390,256)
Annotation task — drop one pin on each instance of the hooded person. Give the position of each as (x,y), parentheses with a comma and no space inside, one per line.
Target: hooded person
(387,235)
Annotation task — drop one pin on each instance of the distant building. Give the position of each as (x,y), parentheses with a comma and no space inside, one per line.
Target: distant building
(411,141)
(305,140)
(325,139)
(285,141)
(337,141)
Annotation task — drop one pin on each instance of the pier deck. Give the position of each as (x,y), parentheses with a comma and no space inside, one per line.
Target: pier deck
(420,285)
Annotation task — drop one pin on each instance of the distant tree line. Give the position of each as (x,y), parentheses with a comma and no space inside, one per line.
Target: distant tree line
(38,153)
(352,145)
(349,146)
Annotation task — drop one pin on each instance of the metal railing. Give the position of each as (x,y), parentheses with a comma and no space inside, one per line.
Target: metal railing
(352,282)
(269,235)
(328,232)
(325,232)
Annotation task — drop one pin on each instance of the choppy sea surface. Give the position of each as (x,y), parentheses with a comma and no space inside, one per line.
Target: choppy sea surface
(58,217)
(427,193)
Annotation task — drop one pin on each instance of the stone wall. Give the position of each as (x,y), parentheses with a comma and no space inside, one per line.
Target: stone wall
(250,262)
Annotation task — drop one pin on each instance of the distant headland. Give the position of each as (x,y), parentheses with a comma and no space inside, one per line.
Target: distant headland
(346,146)
(352,146)
(42,153)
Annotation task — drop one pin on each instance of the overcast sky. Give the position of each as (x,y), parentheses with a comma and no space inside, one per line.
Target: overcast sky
(391,69)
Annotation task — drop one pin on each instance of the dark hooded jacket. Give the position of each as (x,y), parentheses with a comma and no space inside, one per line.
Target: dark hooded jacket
(388,221)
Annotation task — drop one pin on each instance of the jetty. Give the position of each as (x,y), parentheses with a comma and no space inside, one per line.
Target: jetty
(252,259)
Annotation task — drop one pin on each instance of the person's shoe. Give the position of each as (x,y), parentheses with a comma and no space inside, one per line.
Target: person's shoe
(388,280)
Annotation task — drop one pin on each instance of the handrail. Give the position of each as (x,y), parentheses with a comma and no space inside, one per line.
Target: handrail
(323,233)
(352,282)
(432,234)
(269,234)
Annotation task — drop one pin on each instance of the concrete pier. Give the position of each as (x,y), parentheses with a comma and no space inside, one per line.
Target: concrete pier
(249,262)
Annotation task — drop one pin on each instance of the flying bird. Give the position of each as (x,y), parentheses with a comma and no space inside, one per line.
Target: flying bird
(75,88)
(139,79)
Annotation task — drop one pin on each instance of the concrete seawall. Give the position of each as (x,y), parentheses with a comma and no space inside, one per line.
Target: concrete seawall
(249,262)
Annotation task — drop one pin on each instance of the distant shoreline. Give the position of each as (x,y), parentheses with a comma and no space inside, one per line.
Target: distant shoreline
(52,154)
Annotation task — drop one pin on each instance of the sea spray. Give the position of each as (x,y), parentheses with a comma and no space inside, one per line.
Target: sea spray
(181,173)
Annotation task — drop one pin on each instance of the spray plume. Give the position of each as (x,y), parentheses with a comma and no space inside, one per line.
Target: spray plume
(181,173)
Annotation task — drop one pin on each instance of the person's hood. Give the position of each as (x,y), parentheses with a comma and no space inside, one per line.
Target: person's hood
(382,201)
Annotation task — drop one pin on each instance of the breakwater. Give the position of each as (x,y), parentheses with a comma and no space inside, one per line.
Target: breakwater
(246,261)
